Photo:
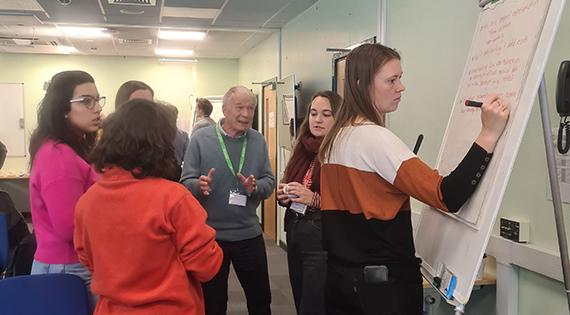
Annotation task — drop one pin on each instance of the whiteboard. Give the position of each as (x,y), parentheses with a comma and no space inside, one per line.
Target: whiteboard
(508,54)
(12,132)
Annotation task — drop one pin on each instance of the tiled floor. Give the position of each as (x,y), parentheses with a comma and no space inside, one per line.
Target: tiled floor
(281,295)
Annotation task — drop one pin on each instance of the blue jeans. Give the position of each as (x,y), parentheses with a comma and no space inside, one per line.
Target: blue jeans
(77,269)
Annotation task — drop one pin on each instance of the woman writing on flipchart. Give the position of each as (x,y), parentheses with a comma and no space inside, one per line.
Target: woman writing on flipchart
(367,177)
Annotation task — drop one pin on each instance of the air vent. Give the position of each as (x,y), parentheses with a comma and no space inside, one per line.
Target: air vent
(53,43)
(7,42)
(145,3)
(126,41)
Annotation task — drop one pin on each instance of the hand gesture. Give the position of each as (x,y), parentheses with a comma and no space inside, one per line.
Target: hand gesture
(248,183)
(205,182)
(305,195)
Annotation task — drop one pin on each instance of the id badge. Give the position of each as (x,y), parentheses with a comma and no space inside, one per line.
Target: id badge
(298,207)
(237,199)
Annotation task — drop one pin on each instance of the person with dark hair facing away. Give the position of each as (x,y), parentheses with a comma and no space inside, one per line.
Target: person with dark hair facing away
(232,148)
(367,178)
(299,192)
(68,119)
(21,244)
(182,139)
(165,248)
(131,90)
(204,109)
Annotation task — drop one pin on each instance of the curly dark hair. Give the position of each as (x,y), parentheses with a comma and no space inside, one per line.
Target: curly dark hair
(52,123)
(139,138)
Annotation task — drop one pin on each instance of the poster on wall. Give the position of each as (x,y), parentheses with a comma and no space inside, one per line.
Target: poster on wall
(562,170)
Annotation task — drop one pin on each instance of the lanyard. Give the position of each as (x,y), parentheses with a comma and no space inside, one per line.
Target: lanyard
(225,151)
(308,178)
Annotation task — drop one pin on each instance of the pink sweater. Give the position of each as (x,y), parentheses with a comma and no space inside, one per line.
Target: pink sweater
(58,178)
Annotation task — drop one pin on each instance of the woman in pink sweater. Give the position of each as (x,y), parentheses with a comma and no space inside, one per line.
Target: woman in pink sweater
(68,119)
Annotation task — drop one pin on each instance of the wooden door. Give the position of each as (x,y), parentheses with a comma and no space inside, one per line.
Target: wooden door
(270,134)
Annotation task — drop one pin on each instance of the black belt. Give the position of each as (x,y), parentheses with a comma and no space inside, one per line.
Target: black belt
(310,213)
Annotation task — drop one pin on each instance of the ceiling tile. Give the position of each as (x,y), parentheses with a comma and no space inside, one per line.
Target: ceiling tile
(190,12)
(289,12)
(241,25)
(204,4)
(17,31)
(20,5)
(185,22)
(28,20)
(135,20)
(249,13)
(78,11)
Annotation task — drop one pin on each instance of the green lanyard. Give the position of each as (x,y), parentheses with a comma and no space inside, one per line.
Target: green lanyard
(225,151)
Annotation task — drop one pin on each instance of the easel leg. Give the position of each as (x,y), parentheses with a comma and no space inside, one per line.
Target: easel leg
(556,200)
(460,309)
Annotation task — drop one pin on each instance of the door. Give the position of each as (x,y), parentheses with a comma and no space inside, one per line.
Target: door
(340,71)
(270,135)
(286,116)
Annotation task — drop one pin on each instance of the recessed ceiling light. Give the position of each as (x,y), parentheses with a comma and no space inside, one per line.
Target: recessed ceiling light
(174,52)
(89,32)
(181,35)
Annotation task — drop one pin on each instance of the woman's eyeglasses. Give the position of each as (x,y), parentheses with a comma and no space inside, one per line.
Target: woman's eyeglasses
(89,101)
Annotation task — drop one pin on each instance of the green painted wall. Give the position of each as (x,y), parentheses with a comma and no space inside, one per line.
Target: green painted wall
(260,63)
(327,24)
(177,83)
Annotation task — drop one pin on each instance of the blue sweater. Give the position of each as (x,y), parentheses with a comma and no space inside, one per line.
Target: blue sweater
(232,223)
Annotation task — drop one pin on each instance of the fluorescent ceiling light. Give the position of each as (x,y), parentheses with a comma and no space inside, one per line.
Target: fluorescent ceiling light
(85,32)
(174,52)
(178,60)
(181,35)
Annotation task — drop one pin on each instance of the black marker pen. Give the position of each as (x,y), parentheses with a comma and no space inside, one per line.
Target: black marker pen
(473,103)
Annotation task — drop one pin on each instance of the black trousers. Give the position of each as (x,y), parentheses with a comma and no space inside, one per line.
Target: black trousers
(307,262)
(250,263)
(348,294)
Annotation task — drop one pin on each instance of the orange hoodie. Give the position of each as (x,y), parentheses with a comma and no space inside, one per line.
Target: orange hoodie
(146,244)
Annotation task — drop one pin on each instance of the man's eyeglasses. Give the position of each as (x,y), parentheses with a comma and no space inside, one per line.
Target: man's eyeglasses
(89,101)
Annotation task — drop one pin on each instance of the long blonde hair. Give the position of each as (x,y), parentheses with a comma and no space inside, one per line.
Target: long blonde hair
(362,63)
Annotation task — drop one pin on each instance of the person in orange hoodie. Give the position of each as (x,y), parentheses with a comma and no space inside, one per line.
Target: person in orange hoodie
(143,236)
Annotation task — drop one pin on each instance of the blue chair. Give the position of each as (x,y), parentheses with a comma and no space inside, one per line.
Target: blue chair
(4,250)
(45,294)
